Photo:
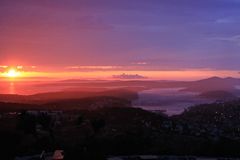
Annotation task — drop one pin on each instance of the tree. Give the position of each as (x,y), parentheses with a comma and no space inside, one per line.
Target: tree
(97,124)
(27,123)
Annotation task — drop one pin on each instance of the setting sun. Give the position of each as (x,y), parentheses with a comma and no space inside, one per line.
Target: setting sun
(12,73)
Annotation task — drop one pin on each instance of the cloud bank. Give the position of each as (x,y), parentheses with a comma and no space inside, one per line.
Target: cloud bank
(129,76)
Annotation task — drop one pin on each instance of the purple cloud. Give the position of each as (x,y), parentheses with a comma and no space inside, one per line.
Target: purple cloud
(129,76)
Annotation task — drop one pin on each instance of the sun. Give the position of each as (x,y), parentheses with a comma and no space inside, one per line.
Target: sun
(12,73)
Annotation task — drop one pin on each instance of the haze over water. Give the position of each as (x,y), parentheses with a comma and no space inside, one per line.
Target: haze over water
(171,101)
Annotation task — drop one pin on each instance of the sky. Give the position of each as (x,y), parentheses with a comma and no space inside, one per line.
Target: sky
(120,38)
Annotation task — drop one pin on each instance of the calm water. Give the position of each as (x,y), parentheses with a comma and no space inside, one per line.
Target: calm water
(28,88)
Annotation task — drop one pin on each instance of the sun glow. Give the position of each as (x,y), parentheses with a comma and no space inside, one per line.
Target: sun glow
(12,73)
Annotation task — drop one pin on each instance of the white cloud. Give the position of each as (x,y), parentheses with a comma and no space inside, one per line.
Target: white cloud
(225,20)
(234,39)
(140,63)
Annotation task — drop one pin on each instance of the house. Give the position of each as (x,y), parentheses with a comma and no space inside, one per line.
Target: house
(58,155)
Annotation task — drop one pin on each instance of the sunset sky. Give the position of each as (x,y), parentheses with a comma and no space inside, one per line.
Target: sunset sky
(128,39)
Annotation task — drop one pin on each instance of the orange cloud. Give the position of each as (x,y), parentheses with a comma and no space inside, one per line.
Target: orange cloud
(93,67)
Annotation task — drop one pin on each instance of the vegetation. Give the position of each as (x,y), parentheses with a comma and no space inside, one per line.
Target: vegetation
(206,130)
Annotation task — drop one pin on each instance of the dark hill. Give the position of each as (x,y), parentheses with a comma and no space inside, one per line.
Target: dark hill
(218,95)
(213,84)
(90,103)
(221,113)
(43,98)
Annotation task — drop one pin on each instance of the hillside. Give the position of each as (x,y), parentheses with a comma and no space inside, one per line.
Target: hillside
(204,130)
(218,95)
(213,84)
(42,98)
(219,113)
(89,103)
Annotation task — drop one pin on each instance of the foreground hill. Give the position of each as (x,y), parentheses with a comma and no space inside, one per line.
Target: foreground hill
(221,114)
(203,130)
(90,103)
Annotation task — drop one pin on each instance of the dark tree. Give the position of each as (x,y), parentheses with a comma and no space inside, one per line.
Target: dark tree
(27,123)
(97,124)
